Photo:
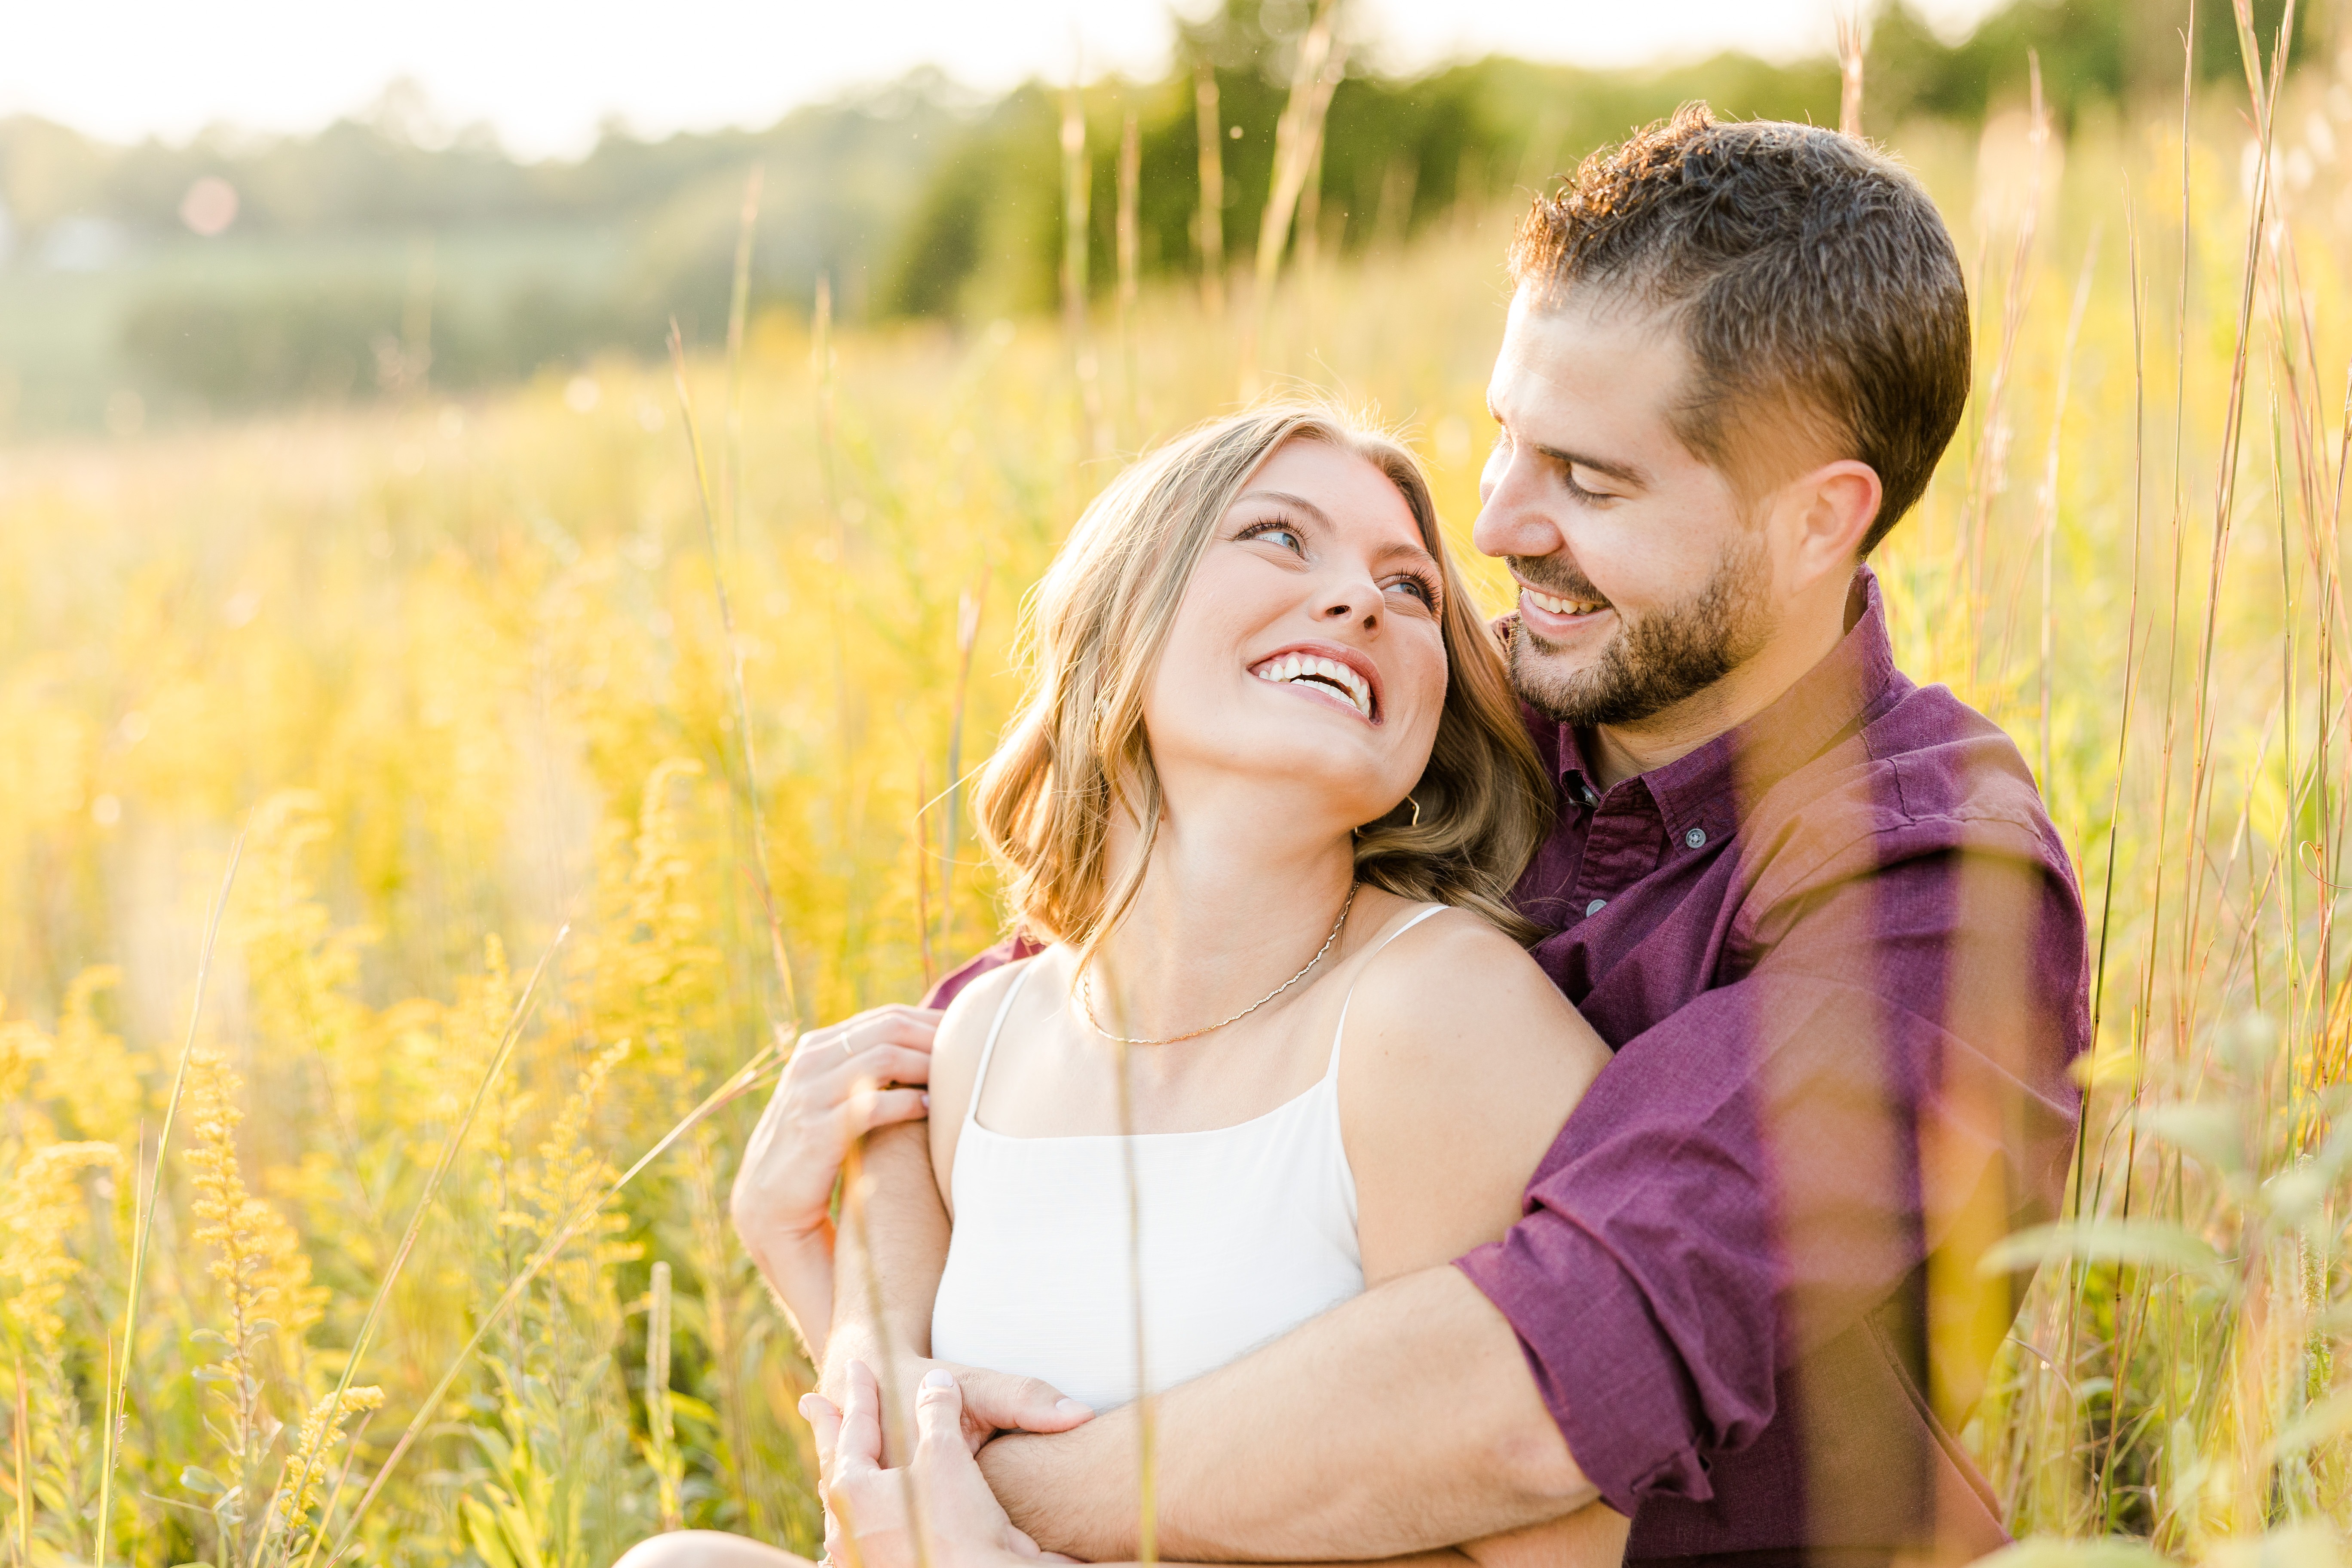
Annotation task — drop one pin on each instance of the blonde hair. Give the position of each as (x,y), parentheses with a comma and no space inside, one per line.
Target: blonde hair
(1075,750)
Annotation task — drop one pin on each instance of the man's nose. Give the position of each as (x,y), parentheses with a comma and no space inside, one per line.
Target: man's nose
(1513,519)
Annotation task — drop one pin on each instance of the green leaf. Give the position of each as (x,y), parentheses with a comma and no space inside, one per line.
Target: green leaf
(2331,1417)
(2295,1196)
(2048,1551)
(2103,1240)
(2289,1546)
(2207,1132)
(482,1531)
(203,1482)
(693,1409)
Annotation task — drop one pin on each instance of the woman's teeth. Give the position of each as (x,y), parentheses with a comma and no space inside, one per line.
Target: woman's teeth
(1327,671)
(1562,606)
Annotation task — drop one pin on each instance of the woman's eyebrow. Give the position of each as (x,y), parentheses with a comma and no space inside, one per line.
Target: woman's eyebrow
(1390,551)
(1288,500)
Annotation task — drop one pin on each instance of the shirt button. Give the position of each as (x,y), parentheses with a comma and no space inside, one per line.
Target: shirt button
(1596,906)
(1695,838)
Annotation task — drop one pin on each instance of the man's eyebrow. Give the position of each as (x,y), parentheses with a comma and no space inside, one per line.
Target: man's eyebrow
(1624,473)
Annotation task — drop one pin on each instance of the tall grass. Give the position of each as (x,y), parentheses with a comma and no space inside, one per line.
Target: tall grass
(466,669)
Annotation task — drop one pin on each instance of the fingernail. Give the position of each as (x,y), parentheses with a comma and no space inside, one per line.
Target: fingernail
(1071,1407)
(807,1413)
(926,1102)
(939,1377)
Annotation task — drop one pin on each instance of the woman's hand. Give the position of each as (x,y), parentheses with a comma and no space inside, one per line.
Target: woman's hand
(840,1083)
(961,1520)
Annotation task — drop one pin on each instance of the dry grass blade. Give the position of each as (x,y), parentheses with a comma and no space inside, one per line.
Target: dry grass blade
(739,312)
(23,1429)
(969,605)
(119,1374)
(750,781)
(1077,187)
(1130,248)
(2047,518)
(855,1190)
(1850,47)
(1211,210)
(1147,1433)
(1297,146)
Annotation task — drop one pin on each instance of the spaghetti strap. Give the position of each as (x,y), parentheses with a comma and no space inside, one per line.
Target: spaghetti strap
(988,1046)
(1340,1032)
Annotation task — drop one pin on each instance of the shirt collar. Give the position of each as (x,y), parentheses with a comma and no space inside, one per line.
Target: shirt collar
(1710,787)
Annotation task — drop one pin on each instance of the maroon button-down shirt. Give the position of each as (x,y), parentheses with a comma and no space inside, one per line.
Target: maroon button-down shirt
(1840,954)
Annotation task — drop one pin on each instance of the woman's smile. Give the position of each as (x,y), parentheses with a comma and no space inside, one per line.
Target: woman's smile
(1329,674)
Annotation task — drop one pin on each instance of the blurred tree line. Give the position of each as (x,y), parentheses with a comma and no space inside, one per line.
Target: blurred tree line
(387,250)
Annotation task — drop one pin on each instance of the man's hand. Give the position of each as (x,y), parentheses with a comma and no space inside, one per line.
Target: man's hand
(840,1083)
(870,1507)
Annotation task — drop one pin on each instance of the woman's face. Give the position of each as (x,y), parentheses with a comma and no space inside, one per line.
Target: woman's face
(1306,656)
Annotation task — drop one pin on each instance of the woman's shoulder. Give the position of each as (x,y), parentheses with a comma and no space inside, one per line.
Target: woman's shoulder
(964,1027)
(956,1053)
(1438,942)
(1454,984)
(1460,1061)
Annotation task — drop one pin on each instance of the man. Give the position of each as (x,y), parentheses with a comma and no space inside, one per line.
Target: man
(1818,912)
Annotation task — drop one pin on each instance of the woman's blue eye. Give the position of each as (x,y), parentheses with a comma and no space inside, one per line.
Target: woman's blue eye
(1418,589)
(1278,533)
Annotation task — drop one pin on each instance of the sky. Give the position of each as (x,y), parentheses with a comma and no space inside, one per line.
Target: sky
(546,75)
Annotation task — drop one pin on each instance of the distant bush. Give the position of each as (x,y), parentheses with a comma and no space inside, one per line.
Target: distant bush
(318,341)
(333,341)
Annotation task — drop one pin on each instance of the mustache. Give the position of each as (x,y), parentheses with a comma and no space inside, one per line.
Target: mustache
(1556,575)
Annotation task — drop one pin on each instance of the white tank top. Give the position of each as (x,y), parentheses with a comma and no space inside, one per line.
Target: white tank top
(1246,1232)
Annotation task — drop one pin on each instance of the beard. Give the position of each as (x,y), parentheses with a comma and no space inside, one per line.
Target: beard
(1666,657)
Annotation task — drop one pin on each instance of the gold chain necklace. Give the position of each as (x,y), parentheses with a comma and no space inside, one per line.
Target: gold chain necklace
(1088,1007)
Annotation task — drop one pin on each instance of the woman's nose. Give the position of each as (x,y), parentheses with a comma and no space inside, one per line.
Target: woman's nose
(1342,607)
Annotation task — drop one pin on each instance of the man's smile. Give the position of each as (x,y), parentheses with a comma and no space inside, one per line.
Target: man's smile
(1553,616)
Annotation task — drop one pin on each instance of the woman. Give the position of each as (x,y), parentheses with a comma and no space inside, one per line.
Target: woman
(1264,803)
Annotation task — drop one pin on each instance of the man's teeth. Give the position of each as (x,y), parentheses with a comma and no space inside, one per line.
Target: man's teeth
(1330,672)
(1562,606)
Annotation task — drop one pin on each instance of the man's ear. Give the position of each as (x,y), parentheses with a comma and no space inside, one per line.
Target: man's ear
(1832,509)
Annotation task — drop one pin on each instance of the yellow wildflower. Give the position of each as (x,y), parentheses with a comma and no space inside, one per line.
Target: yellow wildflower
(256,1254)
(40,1206)
(307,1467)
(90,1072)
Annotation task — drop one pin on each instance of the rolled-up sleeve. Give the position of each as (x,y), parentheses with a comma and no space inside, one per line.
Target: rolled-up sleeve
(1880,1096)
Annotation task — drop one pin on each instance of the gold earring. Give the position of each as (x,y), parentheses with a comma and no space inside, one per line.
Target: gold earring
(1416,811)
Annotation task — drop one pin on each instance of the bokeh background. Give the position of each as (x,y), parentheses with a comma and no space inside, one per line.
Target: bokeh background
(452,732)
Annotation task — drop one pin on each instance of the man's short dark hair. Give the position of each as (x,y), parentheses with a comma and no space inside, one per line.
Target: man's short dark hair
(1812,276)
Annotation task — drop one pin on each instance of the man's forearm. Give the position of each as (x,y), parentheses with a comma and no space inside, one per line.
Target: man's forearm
(1402,1421)
(892,1247)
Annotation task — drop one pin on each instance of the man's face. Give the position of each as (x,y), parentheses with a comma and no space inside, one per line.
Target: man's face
(1642,580)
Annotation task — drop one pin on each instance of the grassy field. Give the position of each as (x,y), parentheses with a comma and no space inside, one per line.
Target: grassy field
(451,680)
